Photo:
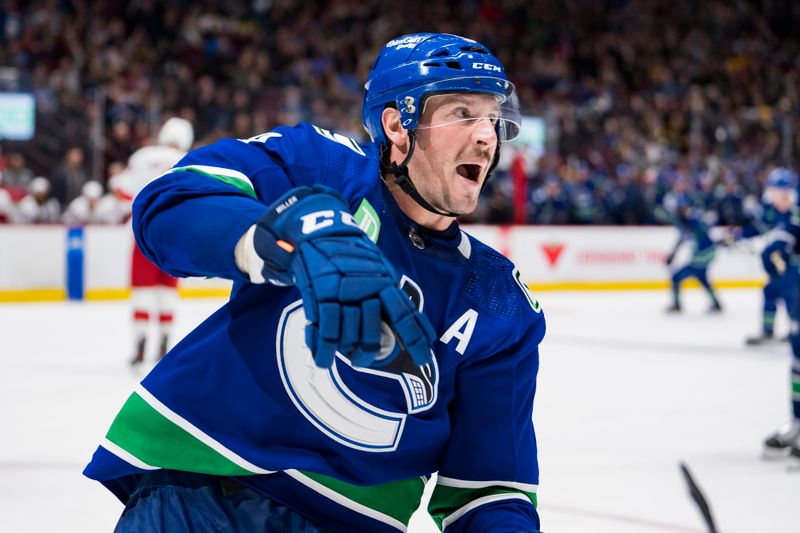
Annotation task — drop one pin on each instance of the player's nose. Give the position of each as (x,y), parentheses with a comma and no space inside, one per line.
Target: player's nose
(483,131)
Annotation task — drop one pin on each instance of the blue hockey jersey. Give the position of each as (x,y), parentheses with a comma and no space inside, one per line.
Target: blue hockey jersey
(349,447)
(694,230)
(780,242)
(780,230)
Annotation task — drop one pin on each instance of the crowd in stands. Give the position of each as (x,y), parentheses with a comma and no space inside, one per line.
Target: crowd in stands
(38,204)
(640,97)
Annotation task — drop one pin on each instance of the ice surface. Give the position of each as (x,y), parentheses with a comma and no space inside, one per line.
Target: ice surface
(625,393)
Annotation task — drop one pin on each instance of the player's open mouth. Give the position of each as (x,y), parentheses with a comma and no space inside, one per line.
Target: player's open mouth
(470,171)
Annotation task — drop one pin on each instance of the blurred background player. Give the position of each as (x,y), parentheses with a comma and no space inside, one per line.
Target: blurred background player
(153,292)
(93,206)
(694,232)
(775,221)
(787,437)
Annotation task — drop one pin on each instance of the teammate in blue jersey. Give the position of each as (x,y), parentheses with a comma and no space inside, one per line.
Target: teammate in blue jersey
(776,223)
(786,439)
(368,341)
(695,231)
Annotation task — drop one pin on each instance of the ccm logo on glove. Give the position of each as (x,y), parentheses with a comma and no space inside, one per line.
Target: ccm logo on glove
(322,219)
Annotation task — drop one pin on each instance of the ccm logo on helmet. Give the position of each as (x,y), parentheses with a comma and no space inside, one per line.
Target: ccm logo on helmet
(487,66)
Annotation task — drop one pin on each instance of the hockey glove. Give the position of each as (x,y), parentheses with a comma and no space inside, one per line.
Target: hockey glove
(778,262)
(309,238)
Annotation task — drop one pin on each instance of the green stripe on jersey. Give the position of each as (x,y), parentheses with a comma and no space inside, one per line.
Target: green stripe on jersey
(703,257)
(397,500)
(142,430)
(225,175)
(153,439)
(447,500)
(796,385)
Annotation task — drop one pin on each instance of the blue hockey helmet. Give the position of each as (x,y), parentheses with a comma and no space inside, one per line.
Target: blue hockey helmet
(413,67)
(781,178)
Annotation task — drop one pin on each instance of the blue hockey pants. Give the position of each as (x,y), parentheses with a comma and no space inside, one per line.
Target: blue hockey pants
(692,272)
(794,339)
(783,288)
(168,501)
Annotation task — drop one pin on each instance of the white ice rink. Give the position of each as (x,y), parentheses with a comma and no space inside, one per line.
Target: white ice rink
(625,393)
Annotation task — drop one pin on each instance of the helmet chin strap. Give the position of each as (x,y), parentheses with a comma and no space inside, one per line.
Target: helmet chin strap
(403,180)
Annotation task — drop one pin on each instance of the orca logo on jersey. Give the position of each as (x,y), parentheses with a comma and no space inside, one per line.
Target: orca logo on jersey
(534,303)
(325,399)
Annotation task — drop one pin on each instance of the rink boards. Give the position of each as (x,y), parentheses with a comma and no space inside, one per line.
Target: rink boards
(33,260)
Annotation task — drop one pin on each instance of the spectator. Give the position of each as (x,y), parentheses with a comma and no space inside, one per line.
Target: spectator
(722,96)
(38,207)
(17,176)
(731,203)
(70,176)
(120,143)
(93,207)
(7,207)
(550,204)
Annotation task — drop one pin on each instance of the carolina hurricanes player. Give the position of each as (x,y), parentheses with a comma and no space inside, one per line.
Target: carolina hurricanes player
(153,292)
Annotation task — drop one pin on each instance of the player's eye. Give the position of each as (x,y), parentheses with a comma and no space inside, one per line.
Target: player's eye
(462,112)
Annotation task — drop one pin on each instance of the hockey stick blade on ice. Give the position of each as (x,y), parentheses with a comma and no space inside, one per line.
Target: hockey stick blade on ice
(699,498)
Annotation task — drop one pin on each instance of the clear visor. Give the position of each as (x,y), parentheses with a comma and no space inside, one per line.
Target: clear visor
(470,102)
(780,196)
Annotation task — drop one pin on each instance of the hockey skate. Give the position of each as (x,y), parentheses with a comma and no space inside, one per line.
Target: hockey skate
(794,456)
(761,340)
(138,357)
(715,308)
(163,347)
(785,441)
(674,308)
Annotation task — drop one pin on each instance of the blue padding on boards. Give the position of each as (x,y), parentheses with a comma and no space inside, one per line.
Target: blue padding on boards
(75,244)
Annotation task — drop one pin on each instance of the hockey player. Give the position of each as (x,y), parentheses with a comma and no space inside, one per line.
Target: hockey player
(153,292)
(692,230)
(775,222)
(359,353)
(786,439)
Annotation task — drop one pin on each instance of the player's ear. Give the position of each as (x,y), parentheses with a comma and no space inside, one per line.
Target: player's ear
(392,129)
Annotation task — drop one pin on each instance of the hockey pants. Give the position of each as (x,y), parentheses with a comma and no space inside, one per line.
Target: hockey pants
(794,339)
(168,501)
(778,288)
(692,272)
